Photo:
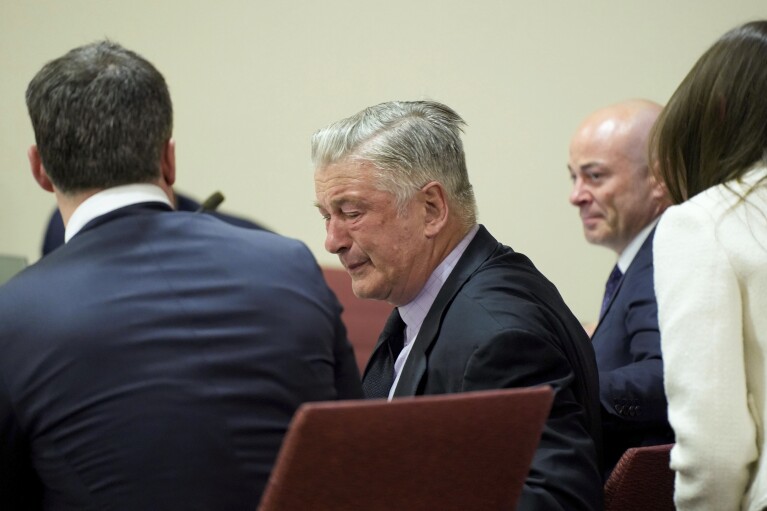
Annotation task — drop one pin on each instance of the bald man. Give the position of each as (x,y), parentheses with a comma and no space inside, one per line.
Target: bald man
(620,203)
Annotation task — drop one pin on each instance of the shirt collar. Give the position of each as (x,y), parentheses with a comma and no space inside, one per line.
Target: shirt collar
(415,312)
(631,250)
(111,199)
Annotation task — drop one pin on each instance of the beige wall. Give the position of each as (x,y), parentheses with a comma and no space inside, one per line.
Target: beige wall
(251,80)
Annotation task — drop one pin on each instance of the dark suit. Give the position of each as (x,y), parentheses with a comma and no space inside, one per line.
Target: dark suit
(627,347)
(54,231)
(155,360)
(498,323)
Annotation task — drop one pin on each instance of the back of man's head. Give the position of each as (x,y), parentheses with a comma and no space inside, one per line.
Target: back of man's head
(101,116)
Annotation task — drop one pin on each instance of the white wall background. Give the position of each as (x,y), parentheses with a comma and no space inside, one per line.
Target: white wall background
(251,80)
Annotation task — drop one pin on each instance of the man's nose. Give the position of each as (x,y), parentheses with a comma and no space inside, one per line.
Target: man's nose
(579,195)
(336,237)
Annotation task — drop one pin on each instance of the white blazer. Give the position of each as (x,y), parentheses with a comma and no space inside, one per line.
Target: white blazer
(711,286)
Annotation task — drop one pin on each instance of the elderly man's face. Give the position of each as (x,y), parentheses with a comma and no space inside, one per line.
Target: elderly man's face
(612,187)
(383,250)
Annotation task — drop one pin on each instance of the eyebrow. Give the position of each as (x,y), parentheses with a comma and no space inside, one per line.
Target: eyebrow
(340,201)
(587,166)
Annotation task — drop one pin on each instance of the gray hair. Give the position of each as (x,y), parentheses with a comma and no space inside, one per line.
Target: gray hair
(410,144)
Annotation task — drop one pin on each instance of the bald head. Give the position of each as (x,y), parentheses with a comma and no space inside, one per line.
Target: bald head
(623,129)
(612,187)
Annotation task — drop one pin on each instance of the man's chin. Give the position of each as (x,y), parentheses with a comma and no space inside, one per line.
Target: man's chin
(365,291)
(362,293)
(601,241)
(594,235)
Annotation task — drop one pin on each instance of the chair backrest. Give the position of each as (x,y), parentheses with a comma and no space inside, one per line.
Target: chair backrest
(364,319)
(450,452)
(641,481)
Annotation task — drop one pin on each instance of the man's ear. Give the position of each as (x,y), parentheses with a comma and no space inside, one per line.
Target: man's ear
(168,162)
(659,190)
(435,203)
(38,171)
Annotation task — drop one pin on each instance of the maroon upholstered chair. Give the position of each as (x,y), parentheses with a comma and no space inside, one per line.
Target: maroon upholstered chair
(364,319)
(641,481)
(469,451)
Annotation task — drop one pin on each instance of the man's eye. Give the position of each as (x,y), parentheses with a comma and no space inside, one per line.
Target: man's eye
(351,214)
(594,175)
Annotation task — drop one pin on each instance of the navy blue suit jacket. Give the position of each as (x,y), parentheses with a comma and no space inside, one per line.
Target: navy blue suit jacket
(54,231)
(627,347)
(498,323)
(155,361)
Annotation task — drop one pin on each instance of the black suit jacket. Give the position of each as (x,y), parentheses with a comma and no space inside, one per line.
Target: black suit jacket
(498,323)
(155,361)
(627,347)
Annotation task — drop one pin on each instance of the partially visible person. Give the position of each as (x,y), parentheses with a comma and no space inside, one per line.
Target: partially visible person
(155,360)
(471,314)
(620,202)
(54,231)
(711,273)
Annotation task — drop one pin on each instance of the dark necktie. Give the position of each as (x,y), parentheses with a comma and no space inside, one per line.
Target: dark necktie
(379,376)
(610,287)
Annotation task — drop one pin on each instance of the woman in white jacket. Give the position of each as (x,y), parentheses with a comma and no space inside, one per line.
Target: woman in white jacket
(710,145)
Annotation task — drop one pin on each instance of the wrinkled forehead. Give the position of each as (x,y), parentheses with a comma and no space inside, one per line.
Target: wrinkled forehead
(608,146)
(347,169)
(348,178)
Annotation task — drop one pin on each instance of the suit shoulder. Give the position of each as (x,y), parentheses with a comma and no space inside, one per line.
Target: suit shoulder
(513,277)
(509,291)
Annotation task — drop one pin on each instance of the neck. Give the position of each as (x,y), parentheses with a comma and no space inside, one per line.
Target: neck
(445,244)
(457,232)
(68,203)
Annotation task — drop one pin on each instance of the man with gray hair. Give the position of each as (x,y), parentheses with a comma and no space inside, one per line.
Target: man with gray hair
(470,313)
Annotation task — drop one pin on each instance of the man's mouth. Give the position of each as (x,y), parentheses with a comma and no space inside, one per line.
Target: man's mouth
(590,219)
(352,267)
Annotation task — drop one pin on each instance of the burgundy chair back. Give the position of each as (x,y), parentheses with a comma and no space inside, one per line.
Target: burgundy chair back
(469,451)
(641,481)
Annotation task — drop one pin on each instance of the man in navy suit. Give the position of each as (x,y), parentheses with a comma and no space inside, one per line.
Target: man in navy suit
(471,314)
(155,360)
(620,201)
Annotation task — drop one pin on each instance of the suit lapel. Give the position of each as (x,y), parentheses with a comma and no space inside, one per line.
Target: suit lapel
(645,251)
(479,250)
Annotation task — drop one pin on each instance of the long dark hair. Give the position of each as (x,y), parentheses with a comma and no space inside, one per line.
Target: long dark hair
(714,127)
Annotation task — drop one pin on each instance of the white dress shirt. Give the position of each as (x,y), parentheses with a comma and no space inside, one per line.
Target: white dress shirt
(631,250)
(109,200)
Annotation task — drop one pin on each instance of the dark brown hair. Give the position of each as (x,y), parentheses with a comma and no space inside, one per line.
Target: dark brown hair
(102,115)
(714,127)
